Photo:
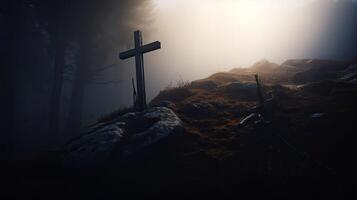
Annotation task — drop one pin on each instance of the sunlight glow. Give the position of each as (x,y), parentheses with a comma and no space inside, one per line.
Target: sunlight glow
(206,36)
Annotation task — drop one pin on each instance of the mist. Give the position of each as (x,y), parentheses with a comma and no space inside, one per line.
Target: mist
(200,38)
(73,125)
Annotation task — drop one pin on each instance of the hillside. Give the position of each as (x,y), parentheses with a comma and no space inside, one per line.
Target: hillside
(301,147)
(305,145)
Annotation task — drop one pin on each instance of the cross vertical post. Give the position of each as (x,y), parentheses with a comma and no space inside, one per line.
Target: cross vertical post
(140,74)
(259,91)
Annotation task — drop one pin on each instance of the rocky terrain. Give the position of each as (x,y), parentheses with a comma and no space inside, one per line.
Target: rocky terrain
(122,139)
(191,144)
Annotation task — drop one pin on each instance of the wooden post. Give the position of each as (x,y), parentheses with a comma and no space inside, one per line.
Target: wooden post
(140,75)
(259,91)
(134,93)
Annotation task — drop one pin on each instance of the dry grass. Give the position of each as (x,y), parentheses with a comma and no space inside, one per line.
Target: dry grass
(174,93)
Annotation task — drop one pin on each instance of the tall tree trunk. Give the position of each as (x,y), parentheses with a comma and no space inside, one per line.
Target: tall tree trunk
(59,38)
(6,84)
(60,47)
(81,79)
(13,18)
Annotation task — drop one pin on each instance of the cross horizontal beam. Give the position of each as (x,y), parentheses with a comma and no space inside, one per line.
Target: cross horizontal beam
(141,50)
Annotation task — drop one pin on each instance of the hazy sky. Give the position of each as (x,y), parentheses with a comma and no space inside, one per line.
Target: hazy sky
(201,37)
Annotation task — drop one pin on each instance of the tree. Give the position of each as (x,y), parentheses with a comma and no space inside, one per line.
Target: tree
(102,30)
(55,20)
(58,31)
(7,81)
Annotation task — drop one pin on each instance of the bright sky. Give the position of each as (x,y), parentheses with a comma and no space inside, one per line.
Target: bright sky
(201,37)
(165,4)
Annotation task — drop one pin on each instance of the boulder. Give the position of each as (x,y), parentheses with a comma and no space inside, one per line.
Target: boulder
(122,139)
(95,147)
(166,124)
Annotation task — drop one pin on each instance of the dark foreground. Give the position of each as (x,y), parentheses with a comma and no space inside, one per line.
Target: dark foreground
(304,149)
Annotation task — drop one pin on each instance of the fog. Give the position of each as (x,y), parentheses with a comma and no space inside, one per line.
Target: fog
(198,37)
(203,37)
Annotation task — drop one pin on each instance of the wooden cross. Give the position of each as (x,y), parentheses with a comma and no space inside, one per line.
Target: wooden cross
(138,52)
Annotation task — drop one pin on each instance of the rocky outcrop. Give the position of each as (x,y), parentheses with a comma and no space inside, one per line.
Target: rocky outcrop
(122,138)
(166,124)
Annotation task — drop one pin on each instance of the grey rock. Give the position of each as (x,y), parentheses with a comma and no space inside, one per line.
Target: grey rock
(94,148)
(317,115)
(349,76)
(167,125)
(102,144)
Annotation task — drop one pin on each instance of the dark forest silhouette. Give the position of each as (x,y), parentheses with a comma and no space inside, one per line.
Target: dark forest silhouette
(45,43)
